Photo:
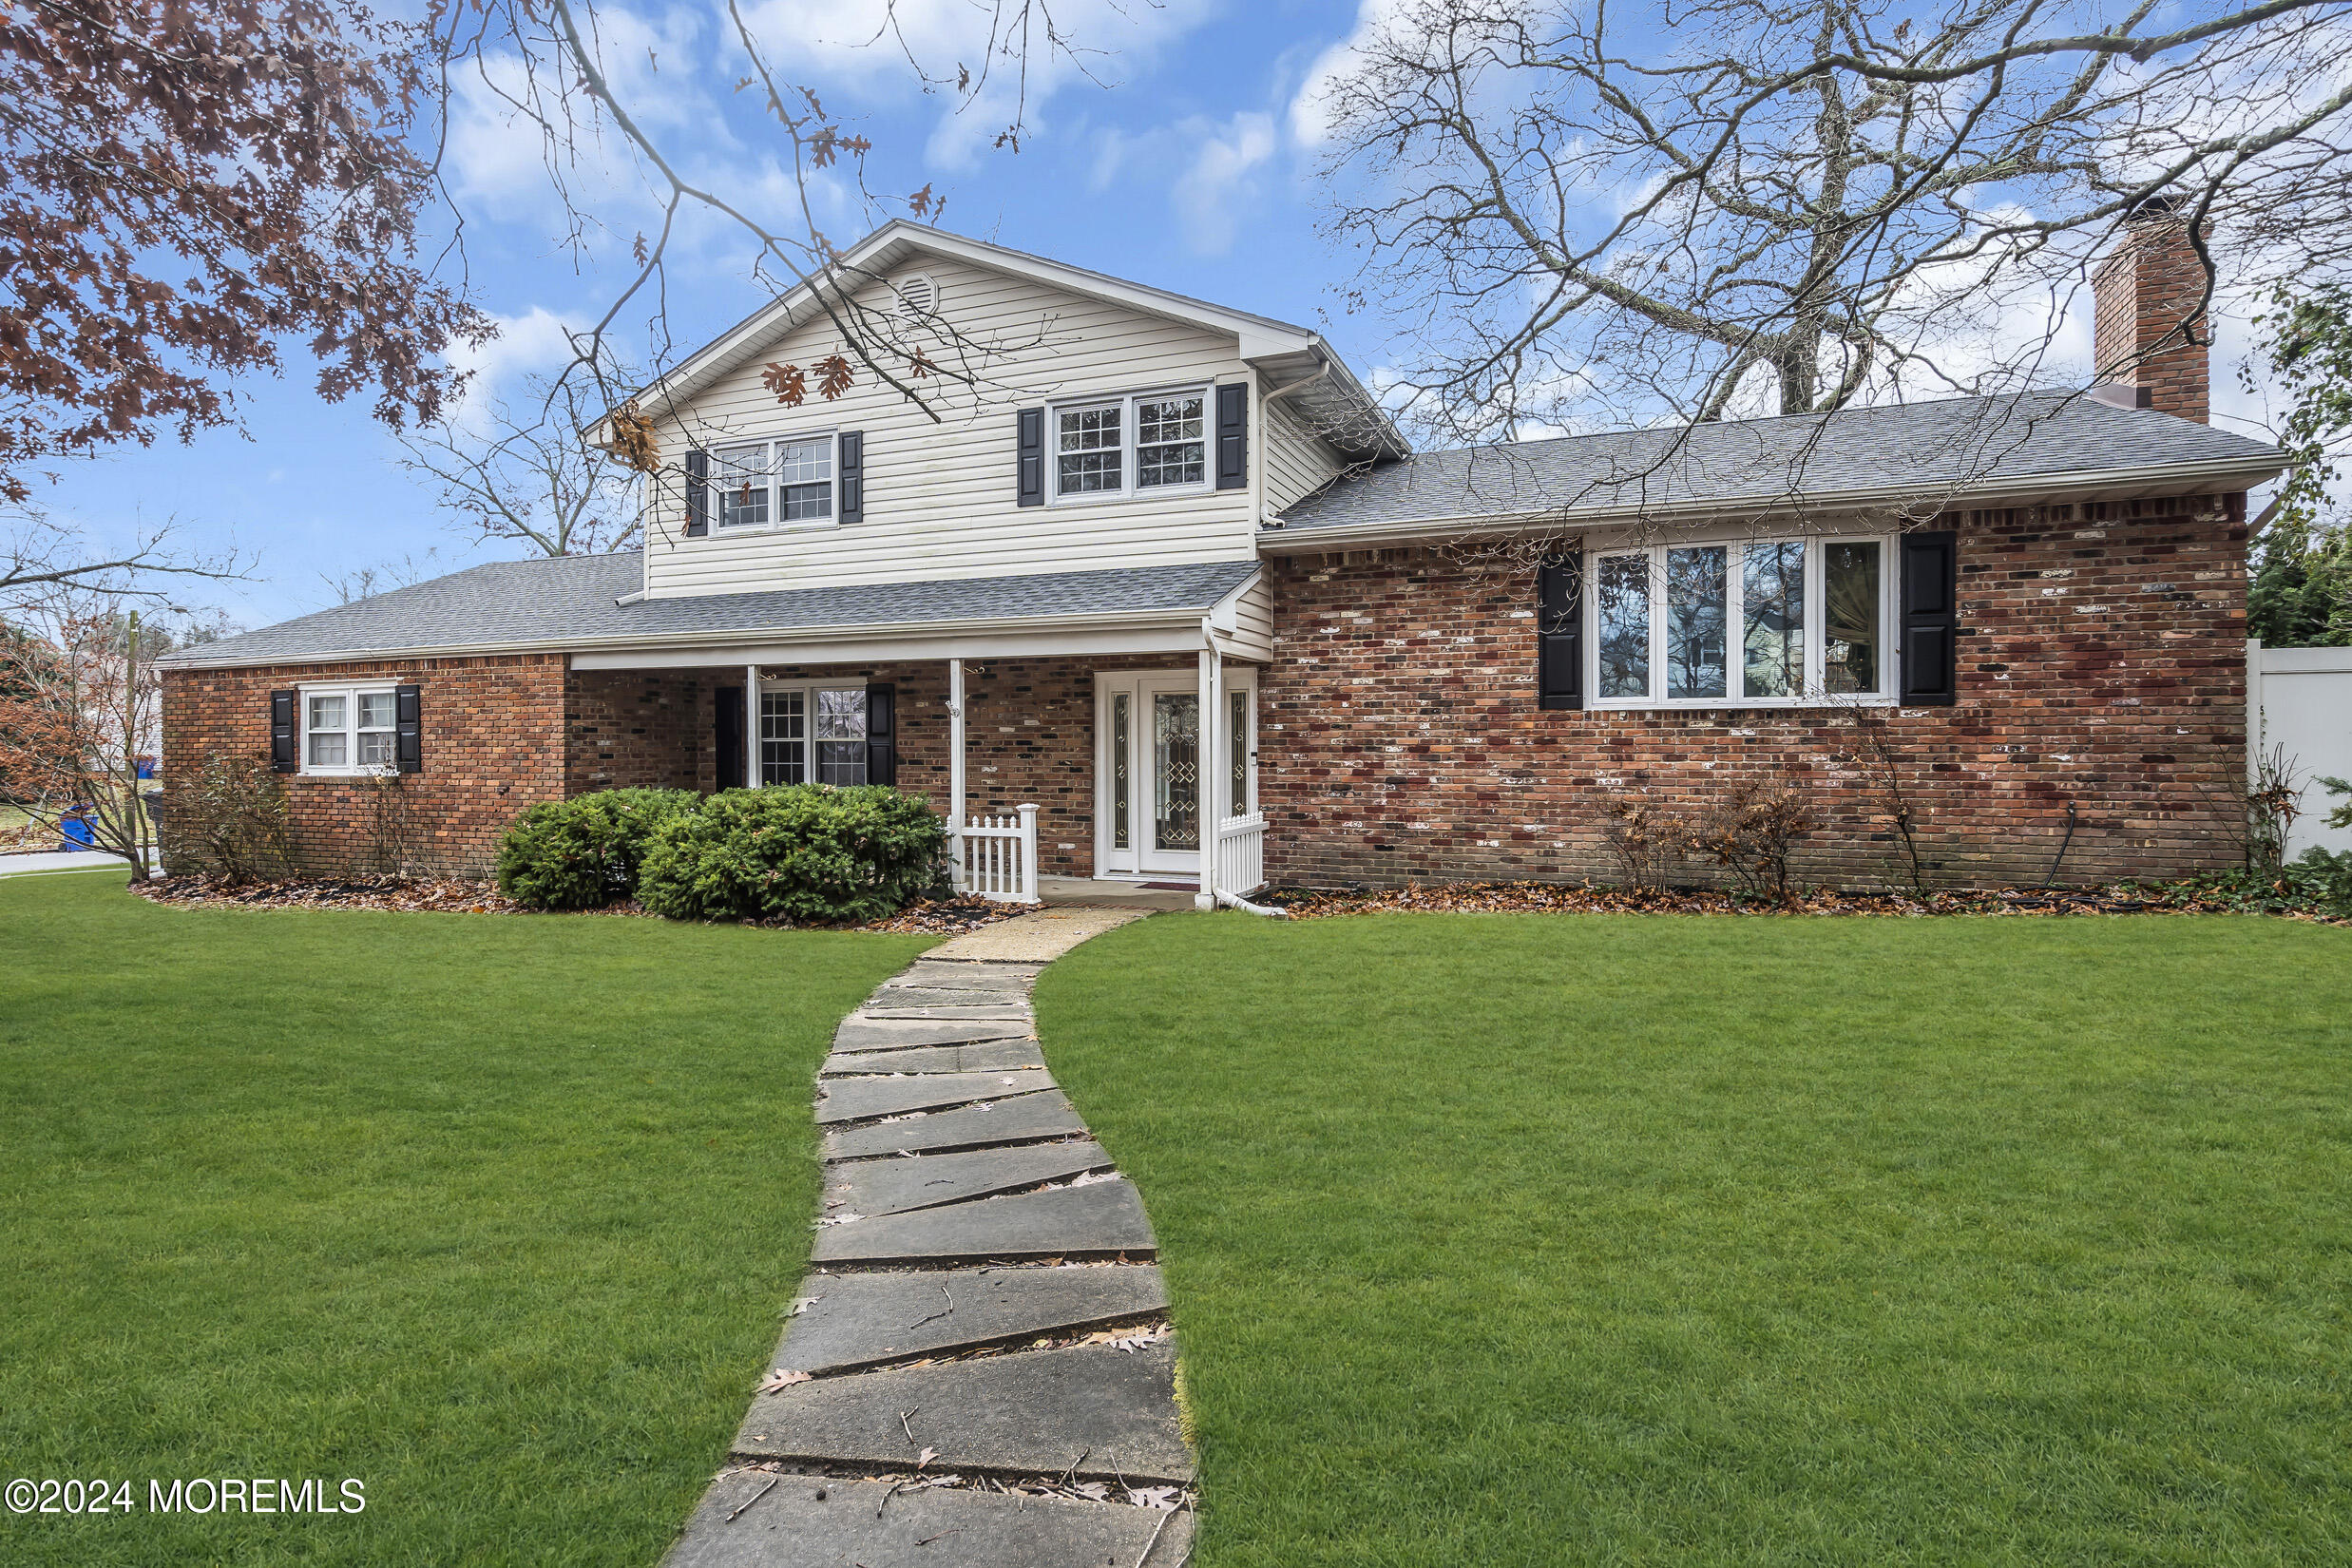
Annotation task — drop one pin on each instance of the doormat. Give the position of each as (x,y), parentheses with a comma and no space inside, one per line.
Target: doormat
(1172,887)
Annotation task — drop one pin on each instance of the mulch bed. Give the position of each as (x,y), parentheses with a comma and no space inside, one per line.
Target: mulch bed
(454,895)
(1545,897)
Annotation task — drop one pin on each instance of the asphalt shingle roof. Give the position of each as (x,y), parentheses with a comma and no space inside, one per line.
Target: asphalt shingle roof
(570,599)
(1923,448)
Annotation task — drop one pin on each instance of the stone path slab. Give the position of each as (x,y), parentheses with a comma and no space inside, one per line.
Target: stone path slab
(1099,1219)
(988,1057)
(1038,937)
(858,1034)
(947,996)
(902,1186)
(951,977)
(814,1522)
(857,1099)
(995,1012)
(1096,1410)
(1022,1118)
(849,1321)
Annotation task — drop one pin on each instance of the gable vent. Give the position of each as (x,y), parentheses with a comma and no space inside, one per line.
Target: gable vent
(918,297)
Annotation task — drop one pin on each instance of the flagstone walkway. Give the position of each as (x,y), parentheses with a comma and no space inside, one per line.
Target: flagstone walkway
(979,1371)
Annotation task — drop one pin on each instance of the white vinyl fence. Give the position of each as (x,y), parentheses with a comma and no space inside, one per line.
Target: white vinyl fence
(2304,696)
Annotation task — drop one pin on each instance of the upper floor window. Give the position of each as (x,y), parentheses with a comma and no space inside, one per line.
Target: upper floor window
(766,484)
(1154,443)
(1747,621)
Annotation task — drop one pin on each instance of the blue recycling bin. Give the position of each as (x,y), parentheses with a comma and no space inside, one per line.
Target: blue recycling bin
(78,832)
(147,767)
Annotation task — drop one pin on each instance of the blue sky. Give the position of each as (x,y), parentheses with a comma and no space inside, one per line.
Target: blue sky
(1191,166)
(1184,171)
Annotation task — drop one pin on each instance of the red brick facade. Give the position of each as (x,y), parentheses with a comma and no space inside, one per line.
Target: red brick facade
(2144,296)
(492,743)
(2102,665)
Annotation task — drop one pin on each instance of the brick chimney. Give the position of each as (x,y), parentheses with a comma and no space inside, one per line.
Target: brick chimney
(2142,335)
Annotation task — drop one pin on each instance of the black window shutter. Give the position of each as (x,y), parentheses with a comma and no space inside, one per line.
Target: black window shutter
(882,735)
(1930,619)
(285,755)
(1233,435)
(409,731)
(728,733)
(852,476)
(1559,631)
(1030,482)
(698,494)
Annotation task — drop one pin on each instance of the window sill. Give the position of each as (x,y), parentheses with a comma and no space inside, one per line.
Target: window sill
(752,531)
(345,774)
(1738,705)
(1173,493)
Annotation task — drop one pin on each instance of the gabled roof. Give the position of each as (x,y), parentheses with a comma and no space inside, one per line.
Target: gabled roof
(2013,447)
(569,602)
(1285,354)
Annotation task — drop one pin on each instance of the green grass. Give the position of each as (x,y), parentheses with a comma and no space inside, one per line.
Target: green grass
(1538,1240)
(494,1213)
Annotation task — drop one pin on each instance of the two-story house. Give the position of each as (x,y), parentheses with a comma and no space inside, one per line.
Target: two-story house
(1164,571)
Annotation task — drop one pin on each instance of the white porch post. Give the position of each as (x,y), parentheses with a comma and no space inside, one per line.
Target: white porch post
(751,726)
(1212,688)
(955,768)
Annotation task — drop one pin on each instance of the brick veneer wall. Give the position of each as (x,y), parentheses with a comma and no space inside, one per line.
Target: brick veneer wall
(1029,736)
(2102,665)
(492,737)
(639,729)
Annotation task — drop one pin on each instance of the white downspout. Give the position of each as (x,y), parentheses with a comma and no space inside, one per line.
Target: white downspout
(955,768)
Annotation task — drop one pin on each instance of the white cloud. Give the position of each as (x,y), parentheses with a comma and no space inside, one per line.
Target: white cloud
(1214,192)
(537,341)
(864,45)
(1310,108)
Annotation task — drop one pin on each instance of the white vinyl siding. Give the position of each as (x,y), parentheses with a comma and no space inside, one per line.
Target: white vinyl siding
(1298,461)
(1253,636)
(940,497)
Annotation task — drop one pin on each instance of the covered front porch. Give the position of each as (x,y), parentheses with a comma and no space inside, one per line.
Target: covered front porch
(1102,764)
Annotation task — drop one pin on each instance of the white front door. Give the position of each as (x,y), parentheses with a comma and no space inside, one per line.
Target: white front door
(1147,754)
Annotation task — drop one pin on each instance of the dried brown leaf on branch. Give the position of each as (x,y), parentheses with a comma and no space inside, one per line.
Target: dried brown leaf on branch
(189,186)
(789,382)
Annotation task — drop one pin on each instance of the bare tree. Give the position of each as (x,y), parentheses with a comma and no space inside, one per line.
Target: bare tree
(518,473)
(41,558)
(385,576)
(80,711)
(1756,206)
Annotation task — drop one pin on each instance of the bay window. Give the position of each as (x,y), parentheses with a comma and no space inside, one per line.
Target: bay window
(1740,622)
(1152,443)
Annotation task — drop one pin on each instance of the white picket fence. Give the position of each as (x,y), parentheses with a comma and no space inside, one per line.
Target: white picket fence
(995,857)
(1241,855)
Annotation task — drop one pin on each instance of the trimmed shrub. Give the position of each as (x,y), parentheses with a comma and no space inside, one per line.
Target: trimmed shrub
(585,853)
(799,852)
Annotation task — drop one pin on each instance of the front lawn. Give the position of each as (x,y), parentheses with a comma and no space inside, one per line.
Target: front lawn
(491,1213)
(1509,1240)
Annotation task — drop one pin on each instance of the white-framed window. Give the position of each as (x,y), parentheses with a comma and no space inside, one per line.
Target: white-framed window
(787,482)
(348,730)
(1741,622)
(811,734)
(1144,443)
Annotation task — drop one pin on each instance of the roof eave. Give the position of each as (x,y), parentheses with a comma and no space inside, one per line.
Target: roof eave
(872,631)
(2238,474)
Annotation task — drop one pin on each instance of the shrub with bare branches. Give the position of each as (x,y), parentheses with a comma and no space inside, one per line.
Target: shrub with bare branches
(1645,839)
(233,814)
(1751,830)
